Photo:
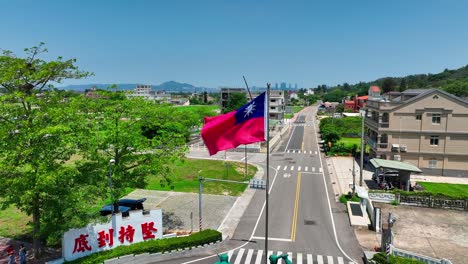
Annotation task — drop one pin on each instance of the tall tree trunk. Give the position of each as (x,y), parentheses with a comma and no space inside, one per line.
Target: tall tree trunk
(36,228)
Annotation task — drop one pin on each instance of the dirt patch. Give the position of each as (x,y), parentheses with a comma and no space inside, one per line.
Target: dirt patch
(432,232)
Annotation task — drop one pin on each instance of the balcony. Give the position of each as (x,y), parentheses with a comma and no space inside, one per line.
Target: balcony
(376,146)
(383,124)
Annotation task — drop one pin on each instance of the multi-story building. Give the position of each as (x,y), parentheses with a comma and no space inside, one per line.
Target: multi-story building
(225,94)
(425,127)
(277,104)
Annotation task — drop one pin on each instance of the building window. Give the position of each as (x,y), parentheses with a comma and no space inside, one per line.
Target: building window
(418,116)
(435,118)
(434,140)
(432,163)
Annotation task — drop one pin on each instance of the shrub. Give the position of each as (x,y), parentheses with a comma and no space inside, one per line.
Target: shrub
(153,246)
(381,258)
(344,198)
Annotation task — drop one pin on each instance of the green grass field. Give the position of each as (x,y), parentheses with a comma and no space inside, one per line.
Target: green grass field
(296,108)
(447,189)
(349,142)
(198,107)
(13,223)
(185,177)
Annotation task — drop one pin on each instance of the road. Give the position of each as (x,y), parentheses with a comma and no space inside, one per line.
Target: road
(301,203)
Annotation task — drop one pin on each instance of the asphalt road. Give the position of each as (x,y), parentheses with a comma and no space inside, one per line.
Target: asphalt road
(301,203)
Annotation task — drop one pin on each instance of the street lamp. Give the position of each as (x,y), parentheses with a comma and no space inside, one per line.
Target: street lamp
(111,162)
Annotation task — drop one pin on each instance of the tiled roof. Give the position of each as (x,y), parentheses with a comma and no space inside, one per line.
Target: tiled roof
(375,89)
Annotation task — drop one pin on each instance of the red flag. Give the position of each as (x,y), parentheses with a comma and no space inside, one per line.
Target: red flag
(243,126)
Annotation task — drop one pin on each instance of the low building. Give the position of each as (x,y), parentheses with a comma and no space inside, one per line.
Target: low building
(425,127)
(357,103)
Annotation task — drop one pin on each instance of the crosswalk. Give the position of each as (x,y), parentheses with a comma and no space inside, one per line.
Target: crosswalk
(299,168)
(298,151)
(303,124)
(256,256)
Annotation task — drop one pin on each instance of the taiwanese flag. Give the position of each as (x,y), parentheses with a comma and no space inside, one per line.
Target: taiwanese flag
(243,126)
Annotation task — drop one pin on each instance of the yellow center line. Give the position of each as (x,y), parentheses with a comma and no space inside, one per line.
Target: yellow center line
(302,148)
(296,208)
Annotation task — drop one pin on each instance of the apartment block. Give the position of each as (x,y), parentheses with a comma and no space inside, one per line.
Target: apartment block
(425,127)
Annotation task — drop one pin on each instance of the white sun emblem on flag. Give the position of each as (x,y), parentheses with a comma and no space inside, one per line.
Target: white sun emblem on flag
(249,109)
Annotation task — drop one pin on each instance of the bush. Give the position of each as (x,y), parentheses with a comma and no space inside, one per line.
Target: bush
(344,198)
(153,246)
(381,258)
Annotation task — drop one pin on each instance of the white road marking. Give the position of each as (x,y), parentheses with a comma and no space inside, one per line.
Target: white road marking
(310,152)
(292,168)
(309,259)
(315,152)
(230,252)
(258,260)
(249,255)
(239,256)
(299,258)
(320,170)
(313,169)
(340,260)
(319,259)
(279,166)
(306,168)
(299,168)
(285,167)
(279,260)
(272,239)
(329,260)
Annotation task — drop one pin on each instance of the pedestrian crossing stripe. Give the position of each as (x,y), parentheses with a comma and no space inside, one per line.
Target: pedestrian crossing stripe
(298,151)
(299,168)
(252,256)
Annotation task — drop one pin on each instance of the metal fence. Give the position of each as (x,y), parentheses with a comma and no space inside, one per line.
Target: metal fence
(423,201)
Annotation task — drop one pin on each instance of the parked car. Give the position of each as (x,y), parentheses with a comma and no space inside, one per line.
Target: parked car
(124,206)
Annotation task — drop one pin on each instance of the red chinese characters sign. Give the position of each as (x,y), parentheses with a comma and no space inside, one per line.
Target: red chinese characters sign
(123,231)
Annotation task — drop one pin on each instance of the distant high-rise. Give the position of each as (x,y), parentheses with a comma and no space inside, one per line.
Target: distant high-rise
(276,86)
(283,86)
(295,86)
(289,87)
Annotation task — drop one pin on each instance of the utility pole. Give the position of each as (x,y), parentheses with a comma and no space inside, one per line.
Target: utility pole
(200,191)
(363,116)
(113,209)
(354,177)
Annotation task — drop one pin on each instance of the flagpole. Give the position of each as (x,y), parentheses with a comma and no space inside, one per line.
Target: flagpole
(267,103)
(245,146)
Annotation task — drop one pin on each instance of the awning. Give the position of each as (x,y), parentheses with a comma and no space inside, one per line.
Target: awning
(394,164)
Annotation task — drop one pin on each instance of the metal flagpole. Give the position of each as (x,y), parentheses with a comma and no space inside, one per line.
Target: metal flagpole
(245,146)
(267,117)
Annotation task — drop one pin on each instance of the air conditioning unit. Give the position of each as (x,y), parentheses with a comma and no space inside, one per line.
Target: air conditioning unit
(397,157)
(403,148)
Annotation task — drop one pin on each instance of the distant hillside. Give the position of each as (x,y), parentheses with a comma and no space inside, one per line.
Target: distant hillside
(170,86)
(452,81)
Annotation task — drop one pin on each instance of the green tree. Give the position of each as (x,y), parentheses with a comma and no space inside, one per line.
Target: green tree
(458,88)
(235,101)
(38,131)
(402,85)
(139,136)
(339,108)
(388,85)
(335,95)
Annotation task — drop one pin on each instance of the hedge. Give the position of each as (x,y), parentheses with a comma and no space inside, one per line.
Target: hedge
(153,246)
(381,258)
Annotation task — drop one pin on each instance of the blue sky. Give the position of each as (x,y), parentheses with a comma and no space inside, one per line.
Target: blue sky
(213,43)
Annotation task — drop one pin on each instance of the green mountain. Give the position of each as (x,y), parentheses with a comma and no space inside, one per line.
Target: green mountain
(452,81)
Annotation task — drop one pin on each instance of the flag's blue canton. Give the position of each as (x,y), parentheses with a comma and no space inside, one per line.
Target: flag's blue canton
(256,108)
